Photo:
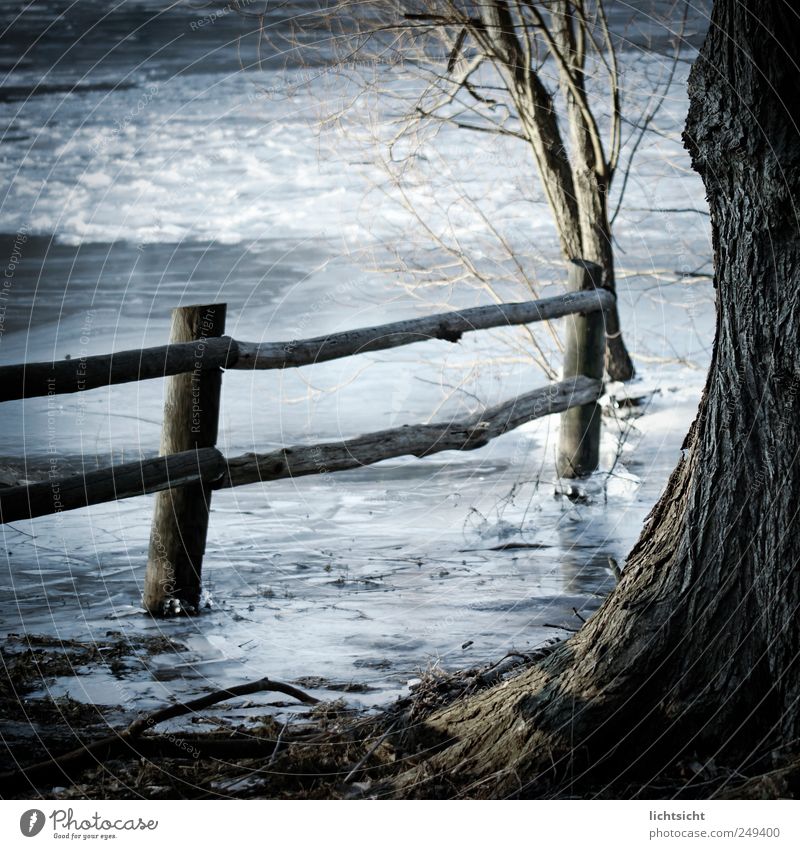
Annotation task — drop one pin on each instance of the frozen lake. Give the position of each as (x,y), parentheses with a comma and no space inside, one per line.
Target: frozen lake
(148,170)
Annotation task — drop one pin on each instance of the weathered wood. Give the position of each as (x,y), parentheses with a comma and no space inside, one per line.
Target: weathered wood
(66,376)
(62,377)
(112,484)
(180,517)
(579,439)
(418,440)
(208,466)
(447,326)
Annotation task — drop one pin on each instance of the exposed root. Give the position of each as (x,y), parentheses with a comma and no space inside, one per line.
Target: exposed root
(437,742)
(332,751)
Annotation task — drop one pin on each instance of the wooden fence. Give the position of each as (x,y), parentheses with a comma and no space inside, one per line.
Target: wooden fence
(190,467)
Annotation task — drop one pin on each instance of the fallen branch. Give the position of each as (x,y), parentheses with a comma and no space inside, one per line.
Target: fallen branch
(181,708)
(129,743)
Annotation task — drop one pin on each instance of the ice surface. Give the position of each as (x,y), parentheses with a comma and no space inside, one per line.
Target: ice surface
(187,184)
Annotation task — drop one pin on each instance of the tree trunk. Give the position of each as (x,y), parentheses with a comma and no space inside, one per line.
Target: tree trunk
(591,180)
(695,653)
(576,190)
(592,195)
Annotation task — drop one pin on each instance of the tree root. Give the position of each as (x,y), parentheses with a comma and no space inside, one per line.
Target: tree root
(481,733)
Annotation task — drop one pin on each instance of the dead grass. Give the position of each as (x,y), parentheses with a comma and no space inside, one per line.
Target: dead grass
(331,751)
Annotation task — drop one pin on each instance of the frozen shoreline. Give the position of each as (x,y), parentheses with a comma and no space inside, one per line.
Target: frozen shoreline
(192,187)
(362,577)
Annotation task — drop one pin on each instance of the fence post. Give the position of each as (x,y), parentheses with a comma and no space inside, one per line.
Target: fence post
(180,519)
(579,440)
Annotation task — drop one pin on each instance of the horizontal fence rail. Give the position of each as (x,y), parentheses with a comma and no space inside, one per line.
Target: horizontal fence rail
(64,377)
(207,465)
(190,467)
(31,380)
(125,480)
(411,440)
(448,326)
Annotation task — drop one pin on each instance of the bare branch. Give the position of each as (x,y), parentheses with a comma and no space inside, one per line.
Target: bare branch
(577,90)
(650,116)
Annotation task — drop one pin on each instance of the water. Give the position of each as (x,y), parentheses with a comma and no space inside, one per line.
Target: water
(147,170)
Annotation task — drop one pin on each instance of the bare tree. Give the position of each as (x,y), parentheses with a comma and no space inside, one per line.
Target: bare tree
(543,73)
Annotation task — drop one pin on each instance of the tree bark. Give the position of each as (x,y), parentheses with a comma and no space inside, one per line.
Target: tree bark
(591,182)
(695,653)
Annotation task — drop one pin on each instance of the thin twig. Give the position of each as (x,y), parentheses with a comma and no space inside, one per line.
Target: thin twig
(273,757)
(181,708)
(127,742)
(369,754)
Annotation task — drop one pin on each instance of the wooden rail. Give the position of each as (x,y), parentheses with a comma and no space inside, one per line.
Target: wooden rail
(411,440)
(190,467)
(208,466)
(114,483)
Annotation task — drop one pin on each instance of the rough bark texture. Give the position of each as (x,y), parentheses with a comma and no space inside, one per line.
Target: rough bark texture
(696,651)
